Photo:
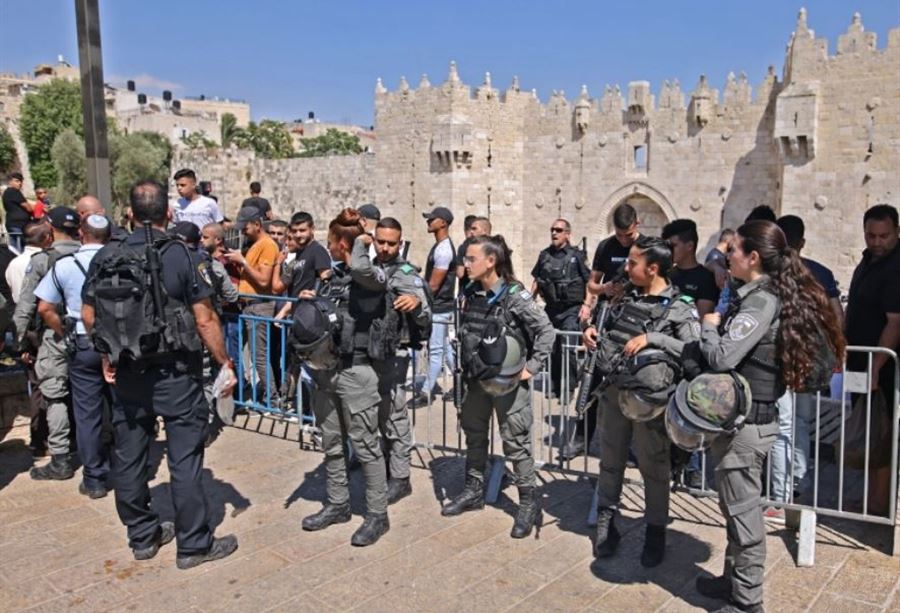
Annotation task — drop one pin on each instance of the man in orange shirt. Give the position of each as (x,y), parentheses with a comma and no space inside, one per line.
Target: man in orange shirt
(256,268)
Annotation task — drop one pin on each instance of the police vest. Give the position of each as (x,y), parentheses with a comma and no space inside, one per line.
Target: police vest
(558,278)
(761,367)
(444,297)
(37,325)
(357,307)
(479,312)
(629,319)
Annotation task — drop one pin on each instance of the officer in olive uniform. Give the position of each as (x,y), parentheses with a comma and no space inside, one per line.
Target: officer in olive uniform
(560,278)
(507,303)
(52,364)
(407,298)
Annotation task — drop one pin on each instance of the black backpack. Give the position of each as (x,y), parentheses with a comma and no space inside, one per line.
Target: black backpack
(126,321)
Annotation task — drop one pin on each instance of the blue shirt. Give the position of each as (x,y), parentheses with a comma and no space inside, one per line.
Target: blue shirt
(71,280)
(824,276)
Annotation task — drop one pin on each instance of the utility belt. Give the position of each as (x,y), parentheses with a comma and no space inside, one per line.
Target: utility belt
(761,413)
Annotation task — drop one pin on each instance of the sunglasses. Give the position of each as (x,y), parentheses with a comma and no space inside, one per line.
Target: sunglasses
(557,230)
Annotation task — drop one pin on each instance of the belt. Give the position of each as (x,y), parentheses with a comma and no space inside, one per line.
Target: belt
(762,413)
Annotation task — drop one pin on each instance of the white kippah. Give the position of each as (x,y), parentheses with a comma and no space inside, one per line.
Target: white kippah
(97,221)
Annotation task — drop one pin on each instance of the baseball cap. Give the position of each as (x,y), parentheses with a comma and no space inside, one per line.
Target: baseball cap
(369,211)
(440,212)
(63,218)
(246,215)
(186,231)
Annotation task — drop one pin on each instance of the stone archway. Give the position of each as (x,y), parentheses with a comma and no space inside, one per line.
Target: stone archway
(653,208)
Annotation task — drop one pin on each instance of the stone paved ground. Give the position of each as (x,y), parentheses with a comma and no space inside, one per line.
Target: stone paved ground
(61,551)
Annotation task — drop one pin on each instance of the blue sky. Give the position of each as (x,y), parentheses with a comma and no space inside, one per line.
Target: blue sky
(287,58)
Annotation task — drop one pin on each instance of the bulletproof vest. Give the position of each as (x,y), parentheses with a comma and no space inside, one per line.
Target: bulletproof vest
(558,278)
(628,319)
(358,308)
(126,322)
(53,255)
(443,298)
(481,312)
(761,367)
(397,330)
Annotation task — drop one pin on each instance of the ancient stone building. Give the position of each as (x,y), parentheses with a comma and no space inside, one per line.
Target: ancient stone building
(822,142)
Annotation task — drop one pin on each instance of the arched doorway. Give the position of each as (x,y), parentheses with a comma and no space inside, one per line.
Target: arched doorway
(653,208)
(651,216)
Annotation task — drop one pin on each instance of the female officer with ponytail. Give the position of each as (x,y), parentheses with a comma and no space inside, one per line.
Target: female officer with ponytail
(773,335)
(505,338)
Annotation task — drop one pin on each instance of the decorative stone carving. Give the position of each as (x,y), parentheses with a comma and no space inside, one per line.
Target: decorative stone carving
(453,76)
(640,101)
(583,111)
(820,203)
(602,140)
(452,141)
(424,83)
(702,108)
(404,86)
(856,39)
(796,120)
(379,87)
(696,205)
(726,134)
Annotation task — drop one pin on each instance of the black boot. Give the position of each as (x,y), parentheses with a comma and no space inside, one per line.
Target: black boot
(714,587)
(330,514)
(59,468)
(572,449)
(654,546)
(470,499)
(374,526)
(397,489)
(607,536)
(529,513)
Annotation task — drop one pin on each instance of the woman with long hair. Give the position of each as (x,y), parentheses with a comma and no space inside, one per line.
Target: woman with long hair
(505,339)
(770,335)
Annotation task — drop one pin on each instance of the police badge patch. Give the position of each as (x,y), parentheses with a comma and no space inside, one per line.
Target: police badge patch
(742,326)
(203,271)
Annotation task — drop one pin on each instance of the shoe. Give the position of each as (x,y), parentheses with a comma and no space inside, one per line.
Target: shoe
(572,449)
(330,514)
(59,468)
(654,546)
(397,489)
(220,548)
(420,400)
(714,587)
(93,492)
(164,536)
(693,479)
(470,499)
(733,607)
(608,537)
(374,526)
(529,514)
(774,515)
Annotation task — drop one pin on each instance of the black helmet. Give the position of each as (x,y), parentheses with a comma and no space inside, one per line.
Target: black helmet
(503,356)
(705,407)
(645,383)
(313,332)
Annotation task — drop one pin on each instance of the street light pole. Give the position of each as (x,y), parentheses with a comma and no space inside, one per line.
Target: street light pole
(87,20)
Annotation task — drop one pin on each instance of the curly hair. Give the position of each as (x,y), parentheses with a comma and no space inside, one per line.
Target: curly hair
(346,226)
(806,315)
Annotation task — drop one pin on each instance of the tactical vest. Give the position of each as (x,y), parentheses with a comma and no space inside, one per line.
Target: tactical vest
(761,367)
(36,326)
(478,313)
(556,281)
(444,298)
(358,307)
(629,319)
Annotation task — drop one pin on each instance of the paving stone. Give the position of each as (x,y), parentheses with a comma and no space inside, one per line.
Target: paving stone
(828,602)
(868,577)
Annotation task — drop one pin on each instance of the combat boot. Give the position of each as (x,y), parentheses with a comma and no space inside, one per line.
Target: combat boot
(607,536)
(330,514)
(470,499)
(374,526)
(654,546)
(59,468)
(714,587)
(529,514)
(397,489)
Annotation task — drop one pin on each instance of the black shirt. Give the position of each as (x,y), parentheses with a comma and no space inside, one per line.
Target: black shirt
(461,261)
(874,292)
(260,203)
(610,257)
(310,261)
(699,283)
(16,214)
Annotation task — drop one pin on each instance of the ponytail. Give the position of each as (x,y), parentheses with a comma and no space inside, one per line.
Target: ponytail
(496,247)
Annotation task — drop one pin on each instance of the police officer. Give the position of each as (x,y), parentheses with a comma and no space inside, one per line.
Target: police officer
(52,364)
(499,313)
(405,328)
(346,398)
(651,315)
(560,278)
(164,382)
(62,287)
(767,345)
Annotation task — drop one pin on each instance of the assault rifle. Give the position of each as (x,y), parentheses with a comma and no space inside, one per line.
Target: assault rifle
(586,378)
(154,266)
(458,391)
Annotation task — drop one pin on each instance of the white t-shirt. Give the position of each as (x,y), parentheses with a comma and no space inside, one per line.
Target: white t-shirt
(15,272)
(443,255)
(200,211)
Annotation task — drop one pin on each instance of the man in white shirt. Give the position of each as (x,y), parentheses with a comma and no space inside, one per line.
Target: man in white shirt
(38,236)
(192,206)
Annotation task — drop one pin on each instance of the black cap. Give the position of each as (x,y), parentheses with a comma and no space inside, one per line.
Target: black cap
(186,231)
(246,215)
(63,218)
(440,212)
(369,211)
(309,322)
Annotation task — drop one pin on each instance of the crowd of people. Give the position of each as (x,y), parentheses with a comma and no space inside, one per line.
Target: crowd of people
(697,365)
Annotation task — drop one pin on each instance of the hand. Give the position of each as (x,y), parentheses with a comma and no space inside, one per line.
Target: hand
(526,375)
(365,239)
(282,256)
(584,313)
(712,318)
(232,381)
(306,294)
(406,303)
(109,372)
(635,345)
(615,290)
(589,338)
(27,359)
(235,257)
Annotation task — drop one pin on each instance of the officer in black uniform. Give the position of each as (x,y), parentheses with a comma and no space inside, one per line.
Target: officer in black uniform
(165,383)
(560,278)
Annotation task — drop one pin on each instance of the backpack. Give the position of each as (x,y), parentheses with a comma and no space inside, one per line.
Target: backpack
(126,321)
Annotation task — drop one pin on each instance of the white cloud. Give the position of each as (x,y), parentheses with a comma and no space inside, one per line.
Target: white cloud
(145,81)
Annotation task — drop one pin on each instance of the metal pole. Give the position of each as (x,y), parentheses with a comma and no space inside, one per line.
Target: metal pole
(87,20)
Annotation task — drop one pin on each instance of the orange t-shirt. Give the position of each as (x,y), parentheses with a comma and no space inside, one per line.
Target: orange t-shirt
(264,251)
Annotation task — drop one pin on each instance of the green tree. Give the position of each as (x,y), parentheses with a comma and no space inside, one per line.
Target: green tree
(70,167)
(228,128)
(134,157)
(268,138)
(54,107)
(159,140)
(333,142)
(198,140)
(7,150)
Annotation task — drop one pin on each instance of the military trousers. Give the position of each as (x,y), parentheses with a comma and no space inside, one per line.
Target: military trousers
(346,407)
(651,446)
(52,370)
(393,416)
(514,417)
(739,472)
(178,398)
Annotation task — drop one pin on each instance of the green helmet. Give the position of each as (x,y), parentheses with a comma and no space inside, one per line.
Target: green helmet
(705,407)
(506,375)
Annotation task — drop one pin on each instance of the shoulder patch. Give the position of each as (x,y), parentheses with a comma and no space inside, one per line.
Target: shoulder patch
(525,294)
(513,288)
(742,326)
(417,281)
(203,272)
(408,269)
(686,298)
